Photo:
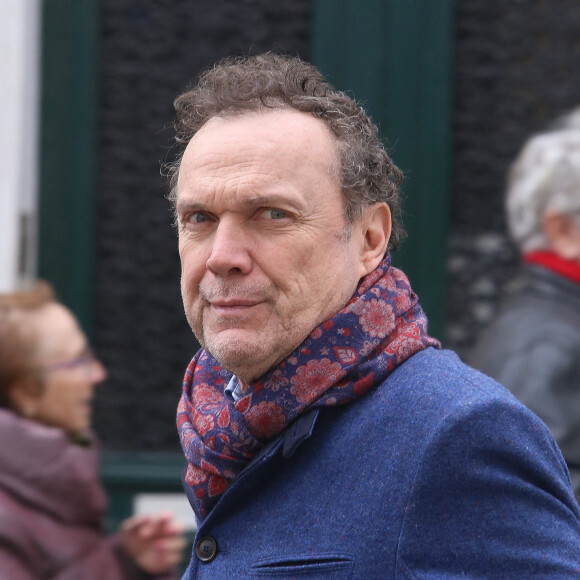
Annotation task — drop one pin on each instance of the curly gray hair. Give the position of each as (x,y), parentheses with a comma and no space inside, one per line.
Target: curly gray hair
(247,84)
(545,175)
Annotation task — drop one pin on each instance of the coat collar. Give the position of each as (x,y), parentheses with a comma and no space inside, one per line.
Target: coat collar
(299,431)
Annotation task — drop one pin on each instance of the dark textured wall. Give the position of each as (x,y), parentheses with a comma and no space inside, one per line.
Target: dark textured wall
(150,51)
(517,67)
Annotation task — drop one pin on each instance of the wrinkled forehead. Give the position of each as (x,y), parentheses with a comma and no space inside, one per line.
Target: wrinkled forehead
(283,138)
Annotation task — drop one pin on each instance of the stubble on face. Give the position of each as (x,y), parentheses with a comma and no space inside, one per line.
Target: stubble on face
(230,349)
(249,356)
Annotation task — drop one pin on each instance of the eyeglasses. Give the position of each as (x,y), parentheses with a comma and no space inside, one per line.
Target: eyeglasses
(85,359)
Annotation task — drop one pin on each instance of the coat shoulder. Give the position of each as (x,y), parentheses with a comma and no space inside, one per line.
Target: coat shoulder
(436,383)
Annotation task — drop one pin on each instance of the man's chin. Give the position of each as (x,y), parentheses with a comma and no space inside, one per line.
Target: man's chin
(235,354)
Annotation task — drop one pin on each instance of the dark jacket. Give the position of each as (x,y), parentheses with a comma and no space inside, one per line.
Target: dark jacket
(437,473)
(51,507)
(533,348)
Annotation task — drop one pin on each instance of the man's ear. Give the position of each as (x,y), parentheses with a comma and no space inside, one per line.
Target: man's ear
(376,224)
(562,234)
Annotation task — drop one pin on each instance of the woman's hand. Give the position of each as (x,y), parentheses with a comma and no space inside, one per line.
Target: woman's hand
(155,542)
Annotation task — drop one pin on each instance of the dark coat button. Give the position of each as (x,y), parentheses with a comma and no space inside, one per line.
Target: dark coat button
(206,549)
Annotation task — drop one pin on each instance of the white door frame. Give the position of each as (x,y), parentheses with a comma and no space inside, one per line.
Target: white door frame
(20,29)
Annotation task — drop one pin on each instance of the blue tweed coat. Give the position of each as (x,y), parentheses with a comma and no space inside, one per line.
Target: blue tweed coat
(437,473)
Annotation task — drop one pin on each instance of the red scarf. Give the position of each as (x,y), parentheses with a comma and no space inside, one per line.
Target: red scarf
(380,327)
(567,268)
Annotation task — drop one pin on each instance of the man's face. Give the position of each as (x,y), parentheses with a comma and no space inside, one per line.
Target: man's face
(266,255)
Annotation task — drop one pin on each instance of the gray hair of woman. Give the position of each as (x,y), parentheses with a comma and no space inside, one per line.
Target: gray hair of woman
(545,176)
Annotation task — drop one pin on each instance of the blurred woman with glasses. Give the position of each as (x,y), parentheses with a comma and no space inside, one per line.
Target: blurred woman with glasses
(51,500)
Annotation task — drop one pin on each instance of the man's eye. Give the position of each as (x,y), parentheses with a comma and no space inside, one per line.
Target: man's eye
(198,218)
(275,214)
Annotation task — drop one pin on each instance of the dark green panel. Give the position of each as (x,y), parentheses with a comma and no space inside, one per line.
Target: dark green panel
(396,57)
(125,475)
(68,151)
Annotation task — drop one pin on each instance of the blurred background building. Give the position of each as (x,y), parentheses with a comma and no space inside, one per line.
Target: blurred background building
(85,120)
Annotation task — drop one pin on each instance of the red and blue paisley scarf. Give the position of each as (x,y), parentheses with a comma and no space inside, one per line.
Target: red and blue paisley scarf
(380,327)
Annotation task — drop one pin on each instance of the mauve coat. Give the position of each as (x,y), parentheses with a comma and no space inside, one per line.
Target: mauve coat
(51,507)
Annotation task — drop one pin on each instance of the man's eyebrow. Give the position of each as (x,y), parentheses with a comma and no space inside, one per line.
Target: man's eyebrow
(258,200)
(187,205)
(272,199)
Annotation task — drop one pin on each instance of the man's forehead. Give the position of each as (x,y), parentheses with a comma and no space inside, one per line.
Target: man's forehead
(259,130)
(258,147)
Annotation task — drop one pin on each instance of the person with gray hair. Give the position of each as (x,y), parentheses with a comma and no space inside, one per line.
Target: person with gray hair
(543,195)
(326,434)
(533,345)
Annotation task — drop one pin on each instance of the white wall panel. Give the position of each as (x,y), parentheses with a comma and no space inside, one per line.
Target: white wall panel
(19,100)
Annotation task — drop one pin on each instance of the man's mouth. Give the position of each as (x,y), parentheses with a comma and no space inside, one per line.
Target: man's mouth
(233,306)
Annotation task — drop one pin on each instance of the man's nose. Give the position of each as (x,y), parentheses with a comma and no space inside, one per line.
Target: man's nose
(230,251)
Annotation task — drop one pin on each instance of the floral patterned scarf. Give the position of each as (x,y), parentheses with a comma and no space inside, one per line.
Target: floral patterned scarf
(380,327)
